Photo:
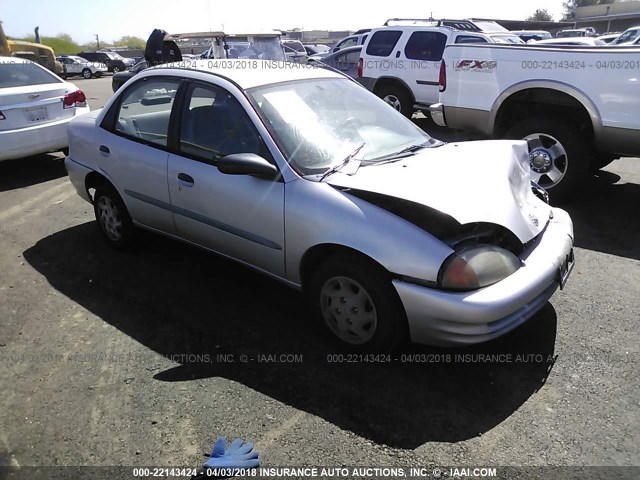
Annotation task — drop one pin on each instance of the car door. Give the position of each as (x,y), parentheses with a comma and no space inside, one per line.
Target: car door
(74,66)
(240,216)
(423,52)
(133,149)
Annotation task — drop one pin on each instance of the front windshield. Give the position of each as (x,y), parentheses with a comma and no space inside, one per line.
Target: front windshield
(317,123)
(628,36)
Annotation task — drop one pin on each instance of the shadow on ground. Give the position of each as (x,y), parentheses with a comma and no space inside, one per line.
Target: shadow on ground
(27,171)
(175,299)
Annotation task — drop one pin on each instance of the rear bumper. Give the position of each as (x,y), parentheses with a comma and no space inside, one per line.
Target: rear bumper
(438,317)
(36,139)
(367,82)
(437,114)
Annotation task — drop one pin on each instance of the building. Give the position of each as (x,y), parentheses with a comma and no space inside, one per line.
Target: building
(615,17)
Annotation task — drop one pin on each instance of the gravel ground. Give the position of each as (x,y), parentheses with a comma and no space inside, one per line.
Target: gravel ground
(145,358)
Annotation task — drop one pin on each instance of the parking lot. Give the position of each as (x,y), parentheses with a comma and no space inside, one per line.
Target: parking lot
(145,358)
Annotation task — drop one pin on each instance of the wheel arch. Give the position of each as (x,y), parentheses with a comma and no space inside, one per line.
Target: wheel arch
(94,180)
(537,97)
(383,82)
(317,253)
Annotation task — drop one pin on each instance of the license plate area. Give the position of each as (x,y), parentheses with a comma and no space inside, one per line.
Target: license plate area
(564,270)
(36,114)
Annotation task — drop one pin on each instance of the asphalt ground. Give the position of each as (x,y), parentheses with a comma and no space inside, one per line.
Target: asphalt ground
(145,358)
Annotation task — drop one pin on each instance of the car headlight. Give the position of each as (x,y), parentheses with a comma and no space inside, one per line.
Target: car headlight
(477,267)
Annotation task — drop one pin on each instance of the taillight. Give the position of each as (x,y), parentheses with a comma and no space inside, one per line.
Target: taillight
(442,79)
(360,67)
(75,99)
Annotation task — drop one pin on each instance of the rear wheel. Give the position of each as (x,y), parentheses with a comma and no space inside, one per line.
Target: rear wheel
(559,156)
(354,299)
(398,98)
(113,218)
(115,69)
(86,73)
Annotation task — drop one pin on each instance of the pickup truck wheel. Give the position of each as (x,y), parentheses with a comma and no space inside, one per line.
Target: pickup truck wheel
(559,156)
(113,218)
(398,98)
(86,73)
(354,299)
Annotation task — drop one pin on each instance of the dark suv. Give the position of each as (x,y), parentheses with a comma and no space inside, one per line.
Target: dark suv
(113,61)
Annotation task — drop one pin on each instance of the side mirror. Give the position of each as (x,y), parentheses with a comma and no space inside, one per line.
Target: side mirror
(246,164)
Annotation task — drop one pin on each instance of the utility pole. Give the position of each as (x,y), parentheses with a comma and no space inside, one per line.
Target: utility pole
(97,42)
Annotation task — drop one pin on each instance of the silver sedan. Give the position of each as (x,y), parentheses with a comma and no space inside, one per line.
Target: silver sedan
(302,174)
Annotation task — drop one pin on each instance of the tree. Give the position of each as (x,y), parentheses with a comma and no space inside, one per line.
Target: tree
(540,15)
(571,5)
(131,42)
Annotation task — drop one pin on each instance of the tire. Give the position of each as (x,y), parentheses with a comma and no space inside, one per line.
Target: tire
(113,218)
(398,98)
(115,69)
(375,320)
(86,73)
(560,156)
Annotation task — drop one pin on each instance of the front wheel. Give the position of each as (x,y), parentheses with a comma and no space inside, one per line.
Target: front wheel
(113,218)
(559,156)
(115,69)
(354,299)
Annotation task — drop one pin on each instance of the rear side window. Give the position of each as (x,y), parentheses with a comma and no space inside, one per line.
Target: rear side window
(472,39)
(24,74)
(145,110)
(425,46)
(382,42)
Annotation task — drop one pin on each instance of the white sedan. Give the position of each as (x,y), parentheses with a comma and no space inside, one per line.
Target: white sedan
(307,177)
(74,65)
(35,108)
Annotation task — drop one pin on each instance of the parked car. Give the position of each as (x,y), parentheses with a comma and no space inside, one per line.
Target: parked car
(316,49)
(629,36)
(609,37)
(577,32)
(74,65)
(345,60)
(295,51)
(35,107)
(113,61)
(569,41)
(350,41)
(548,97)
(527,35)
(389,232)
(120,78)
(401,63)
(507,38)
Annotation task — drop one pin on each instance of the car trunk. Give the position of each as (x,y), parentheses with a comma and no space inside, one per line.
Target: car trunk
(33,105)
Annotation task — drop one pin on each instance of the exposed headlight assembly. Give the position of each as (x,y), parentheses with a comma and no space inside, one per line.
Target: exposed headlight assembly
(477,267)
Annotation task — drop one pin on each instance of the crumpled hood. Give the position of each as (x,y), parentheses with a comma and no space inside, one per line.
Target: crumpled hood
(482,181)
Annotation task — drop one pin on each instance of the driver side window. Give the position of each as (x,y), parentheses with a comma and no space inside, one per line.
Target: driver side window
(214,124)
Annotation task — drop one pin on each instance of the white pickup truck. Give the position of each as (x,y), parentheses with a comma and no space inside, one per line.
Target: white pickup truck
(578,108)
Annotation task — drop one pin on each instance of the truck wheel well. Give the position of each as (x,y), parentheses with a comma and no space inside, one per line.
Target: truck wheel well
(384,83)
(94,180)
(540,101)
(318,253)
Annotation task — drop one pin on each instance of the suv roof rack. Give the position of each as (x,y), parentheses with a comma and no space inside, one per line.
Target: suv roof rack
(464,25)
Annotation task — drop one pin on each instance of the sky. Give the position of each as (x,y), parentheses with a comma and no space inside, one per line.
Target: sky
(112,19)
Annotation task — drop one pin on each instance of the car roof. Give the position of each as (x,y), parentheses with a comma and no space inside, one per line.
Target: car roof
(251,73)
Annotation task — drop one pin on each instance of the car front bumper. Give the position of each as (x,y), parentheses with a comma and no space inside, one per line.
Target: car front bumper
(442,318)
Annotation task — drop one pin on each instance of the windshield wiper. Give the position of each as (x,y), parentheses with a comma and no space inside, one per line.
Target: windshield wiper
(342,164)
(405,152)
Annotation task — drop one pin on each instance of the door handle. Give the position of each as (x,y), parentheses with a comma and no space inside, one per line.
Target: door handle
(104,150)
(185,180)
